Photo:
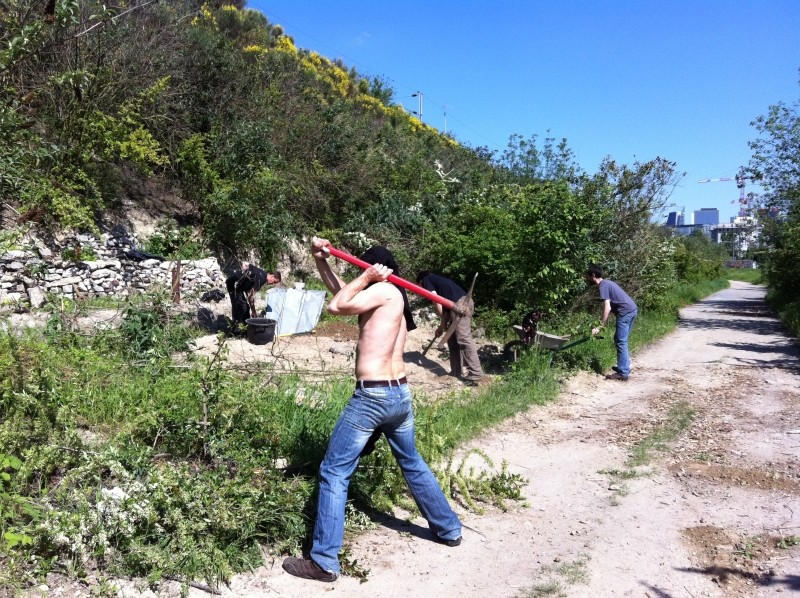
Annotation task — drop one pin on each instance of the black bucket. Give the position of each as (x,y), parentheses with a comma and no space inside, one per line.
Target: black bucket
(260,331)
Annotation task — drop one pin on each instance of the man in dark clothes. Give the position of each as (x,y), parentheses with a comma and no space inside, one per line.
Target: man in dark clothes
(461,344)
(617,302)
(242,288)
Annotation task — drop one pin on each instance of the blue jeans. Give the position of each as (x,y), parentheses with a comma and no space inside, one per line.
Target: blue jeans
(390,408)
(624,325)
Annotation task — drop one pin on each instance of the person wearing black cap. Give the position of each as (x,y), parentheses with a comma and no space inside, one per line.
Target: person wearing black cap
(382,400)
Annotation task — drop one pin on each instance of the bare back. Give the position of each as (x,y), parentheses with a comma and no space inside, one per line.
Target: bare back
(382,337)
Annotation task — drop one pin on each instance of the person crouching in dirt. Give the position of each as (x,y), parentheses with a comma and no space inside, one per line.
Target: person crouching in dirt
(381,399)
(461,345)
(617,302)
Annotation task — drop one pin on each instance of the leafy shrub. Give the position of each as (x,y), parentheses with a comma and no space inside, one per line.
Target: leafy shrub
(153,329)
(697,258)
(78,252)
(175,242)
(530,246)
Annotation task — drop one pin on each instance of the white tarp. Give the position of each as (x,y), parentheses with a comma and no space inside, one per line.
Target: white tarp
(296,310)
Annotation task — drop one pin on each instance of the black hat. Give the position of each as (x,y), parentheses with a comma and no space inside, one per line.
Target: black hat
(379,254)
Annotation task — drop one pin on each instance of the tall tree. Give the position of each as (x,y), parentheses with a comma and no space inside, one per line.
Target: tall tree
(776,161)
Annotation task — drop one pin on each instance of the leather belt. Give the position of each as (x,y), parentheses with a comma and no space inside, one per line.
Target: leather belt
(380,383)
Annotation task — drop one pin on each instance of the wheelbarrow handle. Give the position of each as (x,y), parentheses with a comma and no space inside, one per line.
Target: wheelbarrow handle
(393,278)
(580,341)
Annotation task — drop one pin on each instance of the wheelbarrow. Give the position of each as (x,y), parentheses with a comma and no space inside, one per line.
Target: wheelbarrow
(552,342)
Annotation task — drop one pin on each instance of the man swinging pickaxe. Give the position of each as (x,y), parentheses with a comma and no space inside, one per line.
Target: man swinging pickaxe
(460,312)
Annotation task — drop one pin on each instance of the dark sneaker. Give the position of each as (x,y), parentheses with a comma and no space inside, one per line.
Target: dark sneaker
(451,543)
(484,381)
(617,376)
(307,569)
(616,369)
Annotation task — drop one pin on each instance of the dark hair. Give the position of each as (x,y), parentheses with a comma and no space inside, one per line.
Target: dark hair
(422,275)
(595,271)
(378,254)
(277,275)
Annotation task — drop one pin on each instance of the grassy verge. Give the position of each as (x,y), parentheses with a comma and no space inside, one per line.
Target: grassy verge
(751,275)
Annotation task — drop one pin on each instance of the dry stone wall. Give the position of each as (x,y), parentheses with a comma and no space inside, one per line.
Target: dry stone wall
(111,268)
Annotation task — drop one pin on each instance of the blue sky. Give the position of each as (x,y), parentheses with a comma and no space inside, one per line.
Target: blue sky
(630,79)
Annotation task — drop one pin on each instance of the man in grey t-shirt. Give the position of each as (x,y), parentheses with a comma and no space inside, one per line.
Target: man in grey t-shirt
(617,302)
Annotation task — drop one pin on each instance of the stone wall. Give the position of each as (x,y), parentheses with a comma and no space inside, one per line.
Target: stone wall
(111,268)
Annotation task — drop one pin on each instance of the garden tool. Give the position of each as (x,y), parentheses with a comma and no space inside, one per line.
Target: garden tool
(460,309)
(427,348)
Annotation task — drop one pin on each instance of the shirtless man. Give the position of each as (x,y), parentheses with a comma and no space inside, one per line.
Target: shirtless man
(381,399)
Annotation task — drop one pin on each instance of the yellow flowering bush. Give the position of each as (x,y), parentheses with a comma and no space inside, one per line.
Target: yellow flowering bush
(286,45)
(206,18)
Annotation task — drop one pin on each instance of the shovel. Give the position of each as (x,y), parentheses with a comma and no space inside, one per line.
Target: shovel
(427,348)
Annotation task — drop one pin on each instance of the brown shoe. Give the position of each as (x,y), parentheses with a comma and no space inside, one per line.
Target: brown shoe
(617,376)
(307,569)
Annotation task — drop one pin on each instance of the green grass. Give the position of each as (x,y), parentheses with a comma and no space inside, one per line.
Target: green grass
(678,419)
(751,275)
(788,312)
(571,573)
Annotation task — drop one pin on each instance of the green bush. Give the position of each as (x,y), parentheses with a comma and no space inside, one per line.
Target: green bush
(175,242)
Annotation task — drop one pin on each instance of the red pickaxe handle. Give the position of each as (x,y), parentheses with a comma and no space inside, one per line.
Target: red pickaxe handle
(415,288)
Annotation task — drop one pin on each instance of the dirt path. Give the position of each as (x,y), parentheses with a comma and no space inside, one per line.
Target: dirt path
(703,518)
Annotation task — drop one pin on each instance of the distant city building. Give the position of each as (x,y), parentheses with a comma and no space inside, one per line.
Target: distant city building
(676,218)
(706,216)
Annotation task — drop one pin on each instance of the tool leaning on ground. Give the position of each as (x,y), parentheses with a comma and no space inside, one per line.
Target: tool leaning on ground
(461,308)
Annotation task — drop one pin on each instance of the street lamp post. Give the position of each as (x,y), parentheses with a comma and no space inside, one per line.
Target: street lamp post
(418,95)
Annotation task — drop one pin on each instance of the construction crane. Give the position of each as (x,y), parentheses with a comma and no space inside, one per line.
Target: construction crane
(740,178)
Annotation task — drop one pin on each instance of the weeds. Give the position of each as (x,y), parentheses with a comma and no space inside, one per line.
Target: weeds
(483,485)
(747,548)
(572,573)
(788,541)
(549,588)
(679,418)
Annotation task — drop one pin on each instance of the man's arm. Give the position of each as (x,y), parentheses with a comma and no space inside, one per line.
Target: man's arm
(354,298)
(606,311)
(442,321)
(251,300)
(321,254)
(604,317)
